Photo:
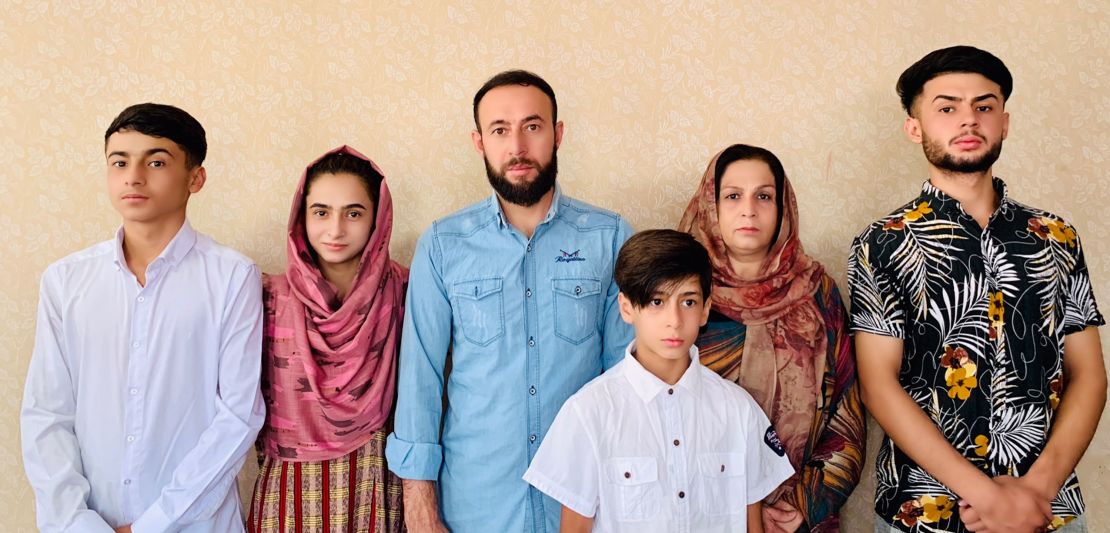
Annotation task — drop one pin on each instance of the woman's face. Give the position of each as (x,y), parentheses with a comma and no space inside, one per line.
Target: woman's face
(339,218)
(746,209)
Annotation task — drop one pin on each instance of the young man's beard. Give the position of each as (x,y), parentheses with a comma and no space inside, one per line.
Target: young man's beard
(946,162)
(527,193)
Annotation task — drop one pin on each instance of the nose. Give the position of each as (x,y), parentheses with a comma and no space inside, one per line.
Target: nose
(338,227)
(134,175)
(674,315)
(969,116)
(517,145)
(747,205)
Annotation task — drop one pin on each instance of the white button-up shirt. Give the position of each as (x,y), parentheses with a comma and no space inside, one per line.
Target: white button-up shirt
(640,455)
(142,402)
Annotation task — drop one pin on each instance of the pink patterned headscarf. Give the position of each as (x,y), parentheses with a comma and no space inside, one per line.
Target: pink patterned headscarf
(330,366)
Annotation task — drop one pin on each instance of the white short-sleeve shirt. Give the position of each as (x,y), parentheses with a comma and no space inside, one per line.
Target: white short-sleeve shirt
(640,455)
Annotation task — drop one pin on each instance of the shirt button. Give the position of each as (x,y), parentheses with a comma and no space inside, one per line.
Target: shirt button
(532,390)
(627,475)
(670,391)
(676,442)
(528,293)
(127,482)
(134,392)
(130,438)
(531,342)
(141,299)
(135,345)
(531,438)
(529,247)
(681,494)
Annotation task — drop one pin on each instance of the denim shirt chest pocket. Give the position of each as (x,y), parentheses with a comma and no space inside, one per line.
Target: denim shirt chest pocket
(577,302)
(478,308)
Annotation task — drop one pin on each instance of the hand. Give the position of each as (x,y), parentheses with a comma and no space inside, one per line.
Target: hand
(781,517)
(123,529)
(1010,506)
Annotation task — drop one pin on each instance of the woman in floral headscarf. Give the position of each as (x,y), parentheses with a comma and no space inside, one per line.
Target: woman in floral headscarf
(332,331)
(778,329)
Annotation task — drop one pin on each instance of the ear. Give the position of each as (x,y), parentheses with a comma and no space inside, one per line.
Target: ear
(705,310)
(627,309)
(476,138)
(196,181)
(912,127)
(1005,124)
(558,133)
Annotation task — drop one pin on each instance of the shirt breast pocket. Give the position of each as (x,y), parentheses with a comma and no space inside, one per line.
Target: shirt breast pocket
(479,311)
(723,485)
(635,484)
(576,307)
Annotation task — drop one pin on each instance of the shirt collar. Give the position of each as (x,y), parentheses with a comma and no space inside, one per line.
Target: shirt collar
(174,252)
(495,207)
(940,200)
(647,386)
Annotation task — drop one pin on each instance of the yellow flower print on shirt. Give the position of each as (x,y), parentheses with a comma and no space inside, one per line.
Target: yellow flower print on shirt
(1058,230)
(961,380)
(981,445)
(936,508)
(910,215)
(996,312)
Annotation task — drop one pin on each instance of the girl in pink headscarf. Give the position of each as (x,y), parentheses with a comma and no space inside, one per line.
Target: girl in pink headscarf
(332,331)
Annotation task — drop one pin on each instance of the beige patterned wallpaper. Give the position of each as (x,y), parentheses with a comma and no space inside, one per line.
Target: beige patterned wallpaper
(648,91)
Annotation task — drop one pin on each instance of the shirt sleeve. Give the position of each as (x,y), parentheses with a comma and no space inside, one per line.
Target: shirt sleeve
(413,450)
(617,333)
(566,465)
(51,454)
(202,479)
(875,307)
(765,462)
(1080,308)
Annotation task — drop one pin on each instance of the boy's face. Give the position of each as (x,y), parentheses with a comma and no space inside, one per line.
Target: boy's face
(668,325)
(148,179)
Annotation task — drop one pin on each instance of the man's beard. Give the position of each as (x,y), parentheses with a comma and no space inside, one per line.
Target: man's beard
(946,162)
(526,193)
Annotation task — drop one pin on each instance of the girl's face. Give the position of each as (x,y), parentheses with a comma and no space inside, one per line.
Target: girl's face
(746,209)
(339,218)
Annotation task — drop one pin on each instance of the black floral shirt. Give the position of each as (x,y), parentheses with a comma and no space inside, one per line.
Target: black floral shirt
(982,314)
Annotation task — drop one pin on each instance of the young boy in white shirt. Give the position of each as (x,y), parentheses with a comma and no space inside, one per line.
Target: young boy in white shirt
(659,443)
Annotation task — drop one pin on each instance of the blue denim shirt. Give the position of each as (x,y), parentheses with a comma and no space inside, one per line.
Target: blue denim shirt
(527,323)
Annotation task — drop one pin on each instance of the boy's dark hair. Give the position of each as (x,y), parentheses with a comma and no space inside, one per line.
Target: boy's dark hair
(339,163)
(656,260)
(744,152)
(166,121)
(965,59)
(515,77)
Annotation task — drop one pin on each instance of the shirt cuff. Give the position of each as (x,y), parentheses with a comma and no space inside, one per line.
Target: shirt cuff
(559,493)
(413,460)
(153,520)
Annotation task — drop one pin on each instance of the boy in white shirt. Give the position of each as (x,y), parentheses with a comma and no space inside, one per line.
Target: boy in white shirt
(659,442)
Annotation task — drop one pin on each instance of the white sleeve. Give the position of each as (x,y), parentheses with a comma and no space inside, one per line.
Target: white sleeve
(566,465)
(765,459)
(51,454)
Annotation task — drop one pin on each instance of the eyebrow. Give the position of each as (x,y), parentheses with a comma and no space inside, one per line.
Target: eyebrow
(661,294)
(979,98)
(348,206)
(147,153)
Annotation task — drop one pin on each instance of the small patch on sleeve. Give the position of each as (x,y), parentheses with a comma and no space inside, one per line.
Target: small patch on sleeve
(771,439)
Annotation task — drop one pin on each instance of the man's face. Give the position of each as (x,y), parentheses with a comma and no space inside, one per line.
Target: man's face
(960,123)
(149,181)
(518,141)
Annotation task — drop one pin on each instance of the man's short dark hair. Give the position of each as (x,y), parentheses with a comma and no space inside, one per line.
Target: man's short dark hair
(955,59)
(657,260)
(515,77)
(168,122)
